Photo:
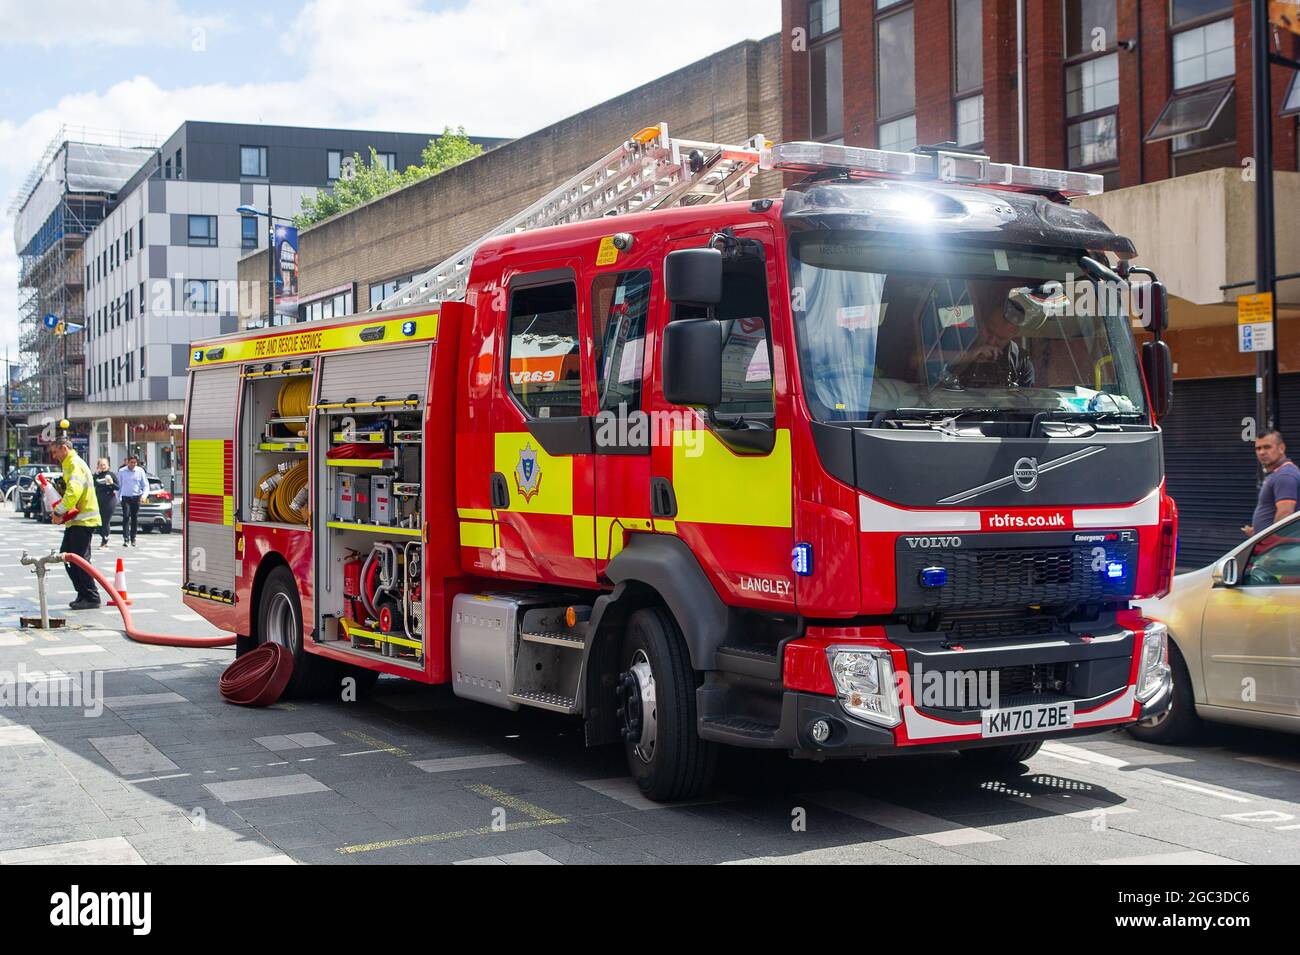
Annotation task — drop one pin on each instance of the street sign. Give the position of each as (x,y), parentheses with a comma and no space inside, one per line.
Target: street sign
(51,320)
(1255,322)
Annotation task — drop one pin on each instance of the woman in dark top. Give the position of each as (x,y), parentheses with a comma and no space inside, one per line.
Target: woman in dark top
(106,494)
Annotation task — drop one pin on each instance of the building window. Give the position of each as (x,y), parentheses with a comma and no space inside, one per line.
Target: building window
(140,230)
(180,173)
(1203,54)
(248,232)
(130,367)
(1184,11)
(968,47)
(252,161)
(167,169)
(1093,142)
(127,246)
(895,65)
(333,164)
(826,70)
(970,120)
(382,290)
(203,230)
(141,298)
(129,316)
(898,134)
(1089,27)
(387,160)
(201,295)
(1091,84)
(141,361)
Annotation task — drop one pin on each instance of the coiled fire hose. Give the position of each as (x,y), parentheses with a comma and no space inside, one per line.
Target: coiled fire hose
(281,494)
(294,399)
(257,678)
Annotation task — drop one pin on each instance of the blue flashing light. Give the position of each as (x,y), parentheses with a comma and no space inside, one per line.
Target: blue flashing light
(801,559)
(934,576)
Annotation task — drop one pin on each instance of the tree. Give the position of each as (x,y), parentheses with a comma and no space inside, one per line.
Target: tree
(370,180)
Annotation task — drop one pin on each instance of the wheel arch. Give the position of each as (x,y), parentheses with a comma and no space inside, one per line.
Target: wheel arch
(651,570)
(265,567)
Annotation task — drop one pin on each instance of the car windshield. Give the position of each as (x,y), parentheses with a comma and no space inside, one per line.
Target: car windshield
(891,322)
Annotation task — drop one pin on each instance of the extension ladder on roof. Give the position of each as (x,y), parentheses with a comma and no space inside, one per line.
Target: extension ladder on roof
(649,171)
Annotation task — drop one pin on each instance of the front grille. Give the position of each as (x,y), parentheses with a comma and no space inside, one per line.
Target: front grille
(1012,577)
(960,630)
(1029,679)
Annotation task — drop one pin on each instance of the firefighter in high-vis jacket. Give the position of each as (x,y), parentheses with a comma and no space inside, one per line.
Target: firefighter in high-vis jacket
(78,512)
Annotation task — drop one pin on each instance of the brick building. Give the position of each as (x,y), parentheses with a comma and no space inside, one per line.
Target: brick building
(371,251)
(1155,96)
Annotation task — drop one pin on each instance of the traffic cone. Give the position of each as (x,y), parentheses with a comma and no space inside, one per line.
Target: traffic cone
(119,582)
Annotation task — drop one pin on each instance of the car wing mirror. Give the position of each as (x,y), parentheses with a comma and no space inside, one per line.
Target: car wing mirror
(1226,572)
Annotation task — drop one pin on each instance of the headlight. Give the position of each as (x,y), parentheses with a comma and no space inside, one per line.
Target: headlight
(864,683)
(1154,668)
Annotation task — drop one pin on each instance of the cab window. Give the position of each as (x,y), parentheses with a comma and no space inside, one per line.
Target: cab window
(544,363)
(620,301)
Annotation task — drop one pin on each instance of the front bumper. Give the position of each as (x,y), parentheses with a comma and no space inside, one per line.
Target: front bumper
(776,715)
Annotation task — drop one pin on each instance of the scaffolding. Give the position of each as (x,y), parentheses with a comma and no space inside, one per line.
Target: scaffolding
(67,194)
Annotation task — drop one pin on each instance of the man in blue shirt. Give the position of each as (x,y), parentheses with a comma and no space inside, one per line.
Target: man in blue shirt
(133,484)
(1281,487)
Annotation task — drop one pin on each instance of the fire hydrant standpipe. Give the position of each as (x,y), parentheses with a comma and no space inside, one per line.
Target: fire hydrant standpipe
(139,636)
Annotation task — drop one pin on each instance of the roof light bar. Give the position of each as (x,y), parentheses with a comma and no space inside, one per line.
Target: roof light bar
(938,165)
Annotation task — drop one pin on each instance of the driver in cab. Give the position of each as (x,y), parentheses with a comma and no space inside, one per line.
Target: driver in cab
(998,358)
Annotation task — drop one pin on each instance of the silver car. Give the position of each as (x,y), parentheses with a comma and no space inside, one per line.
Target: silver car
(1234,639)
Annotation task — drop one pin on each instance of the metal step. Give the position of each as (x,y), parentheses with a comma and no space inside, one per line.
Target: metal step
(557,638)
(734,728)
(545,701)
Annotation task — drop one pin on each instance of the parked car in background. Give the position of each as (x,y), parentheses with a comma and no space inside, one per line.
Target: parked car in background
(19,475)
(1234,639)
(155,509)
(30,501)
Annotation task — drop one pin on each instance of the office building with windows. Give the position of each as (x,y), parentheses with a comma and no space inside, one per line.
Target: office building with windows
(160,269)
(1154,96)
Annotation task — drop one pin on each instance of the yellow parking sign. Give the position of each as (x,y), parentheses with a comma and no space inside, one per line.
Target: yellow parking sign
(1255,322)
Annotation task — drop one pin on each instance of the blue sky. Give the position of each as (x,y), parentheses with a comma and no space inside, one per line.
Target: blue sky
(497,67)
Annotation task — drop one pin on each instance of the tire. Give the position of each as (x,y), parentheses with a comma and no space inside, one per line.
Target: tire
(1179,723)
(166,528)
(656,688)
(279,620)
(1009,755)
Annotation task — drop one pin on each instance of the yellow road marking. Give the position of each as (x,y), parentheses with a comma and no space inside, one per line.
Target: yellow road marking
(538,817)
(378,744)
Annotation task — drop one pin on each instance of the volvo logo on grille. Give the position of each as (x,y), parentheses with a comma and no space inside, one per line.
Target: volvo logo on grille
(1026,474)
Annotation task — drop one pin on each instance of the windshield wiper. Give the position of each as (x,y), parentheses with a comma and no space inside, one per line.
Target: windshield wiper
(936,416)
(1092,417)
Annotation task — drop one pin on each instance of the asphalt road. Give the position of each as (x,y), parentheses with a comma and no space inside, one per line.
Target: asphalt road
(158,769)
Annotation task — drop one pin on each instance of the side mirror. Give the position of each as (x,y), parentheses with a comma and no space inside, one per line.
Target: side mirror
(1158,367)
(1225,572)
(1152,301)
(693,276)
(692,362)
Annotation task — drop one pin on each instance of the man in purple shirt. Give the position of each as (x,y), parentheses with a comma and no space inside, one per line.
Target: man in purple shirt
(1281,487)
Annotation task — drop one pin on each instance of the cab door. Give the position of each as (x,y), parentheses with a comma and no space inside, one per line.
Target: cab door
(1250,638)
(542,429)
(623,296)
(723,483)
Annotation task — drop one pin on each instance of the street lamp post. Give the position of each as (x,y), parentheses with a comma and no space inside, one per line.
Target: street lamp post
(271,218)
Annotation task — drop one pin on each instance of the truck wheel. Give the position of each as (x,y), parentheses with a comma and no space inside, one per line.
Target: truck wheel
(279,620)
(1010,755)
(656,691)
(1179,723)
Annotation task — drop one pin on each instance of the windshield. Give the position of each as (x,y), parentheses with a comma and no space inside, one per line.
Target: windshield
(888,323)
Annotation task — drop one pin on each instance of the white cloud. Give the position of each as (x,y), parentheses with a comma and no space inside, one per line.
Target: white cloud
(497,67)
(83,23)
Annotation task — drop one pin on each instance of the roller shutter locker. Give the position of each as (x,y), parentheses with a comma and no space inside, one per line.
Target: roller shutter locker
(394,373)
(210,479)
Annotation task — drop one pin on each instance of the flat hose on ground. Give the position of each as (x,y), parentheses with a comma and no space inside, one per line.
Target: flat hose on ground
(258,677)
(139,636)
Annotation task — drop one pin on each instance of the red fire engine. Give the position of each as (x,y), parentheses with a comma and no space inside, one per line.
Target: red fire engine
(871,467)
